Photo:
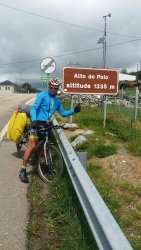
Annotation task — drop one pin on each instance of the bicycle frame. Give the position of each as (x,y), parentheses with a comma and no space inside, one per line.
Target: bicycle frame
(46,142)
(48,160)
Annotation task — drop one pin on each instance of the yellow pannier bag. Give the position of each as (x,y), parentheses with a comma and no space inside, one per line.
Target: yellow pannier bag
(16,126)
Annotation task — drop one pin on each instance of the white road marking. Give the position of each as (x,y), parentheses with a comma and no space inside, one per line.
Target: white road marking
(29,101)
(4,130)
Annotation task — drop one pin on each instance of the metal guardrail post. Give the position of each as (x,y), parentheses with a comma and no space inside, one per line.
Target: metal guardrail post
(105,229)
(83,158)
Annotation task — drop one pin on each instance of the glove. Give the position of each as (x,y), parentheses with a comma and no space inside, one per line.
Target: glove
(34,124)
(77,108)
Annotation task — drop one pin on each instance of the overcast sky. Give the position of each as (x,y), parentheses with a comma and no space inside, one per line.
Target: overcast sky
(67,31)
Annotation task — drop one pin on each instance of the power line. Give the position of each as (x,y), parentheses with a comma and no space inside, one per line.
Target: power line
(49,18)
(138,39)
(71,53)
(63,22)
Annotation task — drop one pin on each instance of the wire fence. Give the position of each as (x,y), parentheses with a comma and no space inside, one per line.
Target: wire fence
(131,102)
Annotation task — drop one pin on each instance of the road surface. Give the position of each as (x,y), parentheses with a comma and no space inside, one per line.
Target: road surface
(14,207)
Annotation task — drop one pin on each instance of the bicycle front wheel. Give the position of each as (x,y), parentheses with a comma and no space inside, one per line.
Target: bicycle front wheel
(50,164)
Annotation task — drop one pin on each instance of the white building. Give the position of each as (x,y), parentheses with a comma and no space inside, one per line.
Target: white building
(6,87)
(123,77)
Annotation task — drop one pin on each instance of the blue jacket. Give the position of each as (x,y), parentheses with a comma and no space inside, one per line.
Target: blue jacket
(45,106)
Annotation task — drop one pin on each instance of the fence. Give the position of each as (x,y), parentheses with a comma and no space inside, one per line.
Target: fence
(131,100)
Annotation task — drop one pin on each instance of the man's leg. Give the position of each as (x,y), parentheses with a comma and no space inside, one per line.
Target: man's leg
(31,146)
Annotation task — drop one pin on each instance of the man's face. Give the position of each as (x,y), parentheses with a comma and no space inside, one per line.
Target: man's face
(53,90)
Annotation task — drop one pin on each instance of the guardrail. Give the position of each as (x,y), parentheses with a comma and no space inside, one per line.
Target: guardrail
(105,229)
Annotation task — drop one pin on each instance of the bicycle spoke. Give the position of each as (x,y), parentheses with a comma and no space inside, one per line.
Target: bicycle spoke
(50,167)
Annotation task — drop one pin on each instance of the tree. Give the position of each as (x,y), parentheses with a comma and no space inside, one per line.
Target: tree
(124,71)
(27,88)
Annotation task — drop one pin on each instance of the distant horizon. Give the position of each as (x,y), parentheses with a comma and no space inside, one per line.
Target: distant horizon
(37,85)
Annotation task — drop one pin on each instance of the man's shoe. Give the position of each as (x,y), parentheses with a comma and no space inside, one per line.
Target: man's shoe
(23,176)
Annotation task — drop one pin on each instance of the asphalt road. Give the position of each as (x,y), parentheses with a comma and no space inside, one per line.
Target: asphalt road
(8,104)
(14,207)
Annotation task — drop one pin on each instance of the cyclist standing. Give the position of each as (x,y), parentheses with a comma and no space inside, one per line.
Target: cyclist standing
(44,107)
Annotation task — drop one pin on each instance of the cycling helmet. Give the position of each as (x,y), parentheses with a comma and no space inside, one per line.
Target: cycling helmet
(54,82)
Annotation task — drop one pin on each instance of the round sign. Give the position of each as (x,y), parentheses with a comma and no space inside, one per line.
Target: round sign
(48,65)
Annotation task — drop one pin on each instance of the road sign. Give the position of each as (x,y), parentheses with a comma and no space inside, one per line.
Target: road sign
(90,81)
(45,79)
(48,65)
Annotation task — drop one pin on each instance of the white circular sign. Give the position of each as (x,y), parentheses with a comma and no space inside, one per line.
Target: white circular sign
(48,65)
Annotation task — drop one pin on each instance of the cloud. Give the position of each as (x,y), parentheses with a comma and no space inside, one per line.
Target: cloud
(68,32)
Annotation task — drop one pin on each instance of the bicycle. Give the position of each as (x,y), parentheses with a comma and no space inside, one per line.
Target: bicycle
(49,161)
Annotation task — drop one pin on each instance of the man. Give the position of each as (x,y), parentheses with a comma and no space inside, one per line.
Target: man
(45,105)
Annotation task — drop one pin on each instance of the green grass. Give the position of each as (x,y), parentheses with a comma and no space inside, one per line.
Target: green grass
(57,220)
(95,148)
(123,200)
(122,197)
(134,143)
(65,214)
(118,123)
(102,151)
(105,187)
(59,216)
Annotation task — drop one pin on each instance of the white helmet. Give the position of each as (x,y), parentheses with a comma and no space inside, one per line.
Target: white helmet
(54,82)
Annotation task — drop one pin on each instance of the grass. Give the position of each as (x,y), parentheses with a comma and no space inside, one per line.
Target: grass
(134,143)
(117,123)
(59,223)
(102,150)
(65,214)
(122,198)
(56,219)
(95,147)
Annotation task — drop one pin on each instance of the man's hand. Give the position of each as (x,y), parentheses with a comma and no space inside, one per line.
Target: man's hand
(34,124)
(77,108)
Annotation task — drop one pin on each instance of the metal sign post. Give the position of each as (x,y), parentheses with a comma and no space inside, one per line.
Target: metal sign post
(136,103)
(105,110)
(71,108)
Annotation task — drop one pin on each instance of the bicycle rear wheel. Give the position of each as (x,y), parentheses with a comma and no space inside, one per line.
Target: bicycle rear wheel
(50,167)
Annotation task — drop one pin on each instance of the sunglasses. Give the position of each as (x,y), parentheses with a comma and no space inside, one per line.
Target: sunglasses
(53,88)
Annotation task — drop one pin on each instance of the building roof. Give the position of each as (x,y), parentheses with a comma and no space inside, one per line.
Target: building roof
(127,77)
(7,83)
(130,84)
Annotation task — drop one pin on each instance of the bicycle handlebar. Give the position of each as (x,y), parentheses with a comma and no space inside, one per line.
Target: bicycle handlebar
(46,126)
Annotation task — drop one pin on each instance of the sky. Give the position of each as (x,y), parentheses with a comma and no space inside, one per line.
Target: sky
(67,31)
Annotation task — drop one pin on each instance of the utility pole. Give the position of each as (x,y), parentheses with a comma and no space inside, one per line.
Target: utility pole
(104,42)
(20,77)
(104,65)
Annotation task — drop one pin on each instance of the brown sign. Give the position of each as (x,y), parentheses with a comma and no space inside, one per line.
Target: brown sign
(90,81)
